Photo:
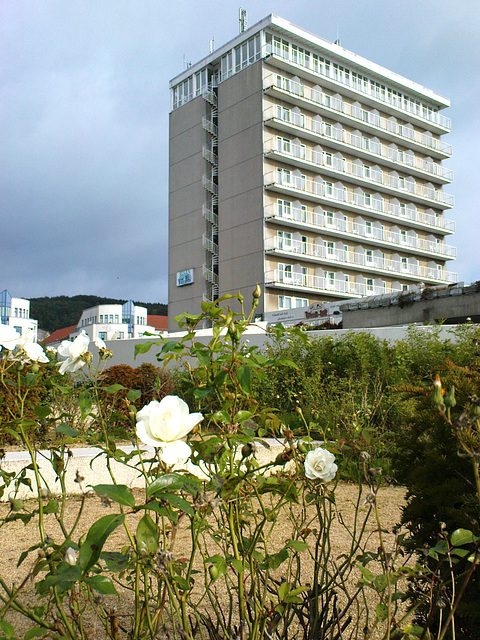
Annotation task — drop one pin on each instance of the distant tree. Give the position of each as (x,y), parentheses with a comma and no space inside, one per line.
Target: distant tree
(64,311)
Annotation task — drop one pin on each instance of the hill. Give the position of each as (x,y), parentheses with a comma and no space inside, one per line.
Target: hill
(63,311)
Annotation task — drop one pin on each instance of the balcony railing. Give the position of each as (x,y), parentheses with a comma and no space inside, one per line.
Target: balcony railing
(367,147)
(433,117)
(357,260)
(360,231)
(321,191)
(372,178)
(316,98)
(278,278)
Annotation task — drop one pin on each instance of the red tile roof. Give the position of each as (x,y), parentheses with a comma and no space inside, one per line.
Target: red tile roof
(60,334)
(159,322)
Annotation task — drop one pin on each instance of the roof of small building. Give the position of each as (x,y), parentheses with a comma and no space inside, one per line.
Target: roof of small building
(60,334)
(159,322)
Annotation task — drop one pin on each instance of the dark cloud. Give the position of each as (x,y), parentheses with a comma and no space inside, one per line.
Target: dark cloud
(84,123)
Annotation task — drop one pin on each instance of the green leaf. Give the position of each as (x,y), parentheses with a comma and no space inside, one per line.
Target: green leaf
(102,584)
(66,430)
(85,403)
(220,563)
(169,481)
(367,574)
(119,493)
(115,561)
(42,410)
(143,347)
(51,507)
(7,629)
(34,633)
(96,537)
(381,612)
(133,394)
(113,388)
(297,545)
(147,535)
(462,536)
(241,416)
(244,379)
(63,579)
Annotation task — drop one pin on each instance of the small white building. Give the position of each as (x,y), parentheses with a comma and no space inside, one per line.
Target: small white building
(114,322)
(15,312)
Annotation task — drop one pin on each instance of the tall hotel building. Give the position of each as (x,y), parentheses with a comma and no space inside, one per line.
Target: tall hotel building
(299,165)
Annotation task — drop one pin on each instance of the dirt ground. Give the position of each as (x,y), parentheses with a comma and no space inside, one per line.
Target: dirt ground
(16,537)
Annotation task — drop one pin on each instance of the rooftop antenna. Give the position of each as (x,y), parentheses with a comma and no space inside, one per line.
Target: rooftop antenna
(242,18)
(212,44)
(186,65)
(337,41)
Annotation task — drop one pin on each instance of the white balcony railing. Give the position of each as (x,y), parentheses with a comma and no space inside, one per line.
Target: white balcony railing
(321,191)
(357,260)
(370,148)
(372,178)
(415,109)
(362,232)
(302,282)
(317,98)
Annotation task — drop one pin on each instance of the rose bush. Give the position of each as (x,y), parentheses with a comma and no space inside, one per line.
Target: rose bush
(320,465)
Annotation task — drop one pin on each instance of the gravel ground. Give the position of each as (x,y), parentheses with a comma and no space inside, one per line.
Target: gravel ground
(16,537)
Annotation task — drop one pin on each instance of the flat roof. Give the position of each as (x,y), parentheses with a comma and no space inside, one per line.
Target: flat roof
(337,52)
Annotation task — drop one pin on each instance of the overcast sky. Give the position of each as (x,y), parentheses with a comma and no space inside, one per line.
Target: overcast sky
(84,123)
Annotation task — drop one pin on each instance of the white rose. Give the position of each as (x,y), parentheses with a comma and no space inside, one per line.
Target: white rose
(71,556)
(8,337)
(35,352)
(320,465)
(163,424)
(74,352)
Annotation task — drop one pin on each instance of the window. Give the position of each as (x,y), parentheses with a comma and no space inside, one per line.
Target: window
(403,236)
(366,171)
(369,256)
(404,264)
(284,239)
(329,219)
(111,318)
(284,176)
(116,318)
(329,280)
(304,244)
(327,159)
(285,272)
(369,285)
(330,248)
(367,199)
(102,335)
(368,228)
(328,188)
(303,213)
(283,113)
(121,335)
(284,208)
(283,145)
(403,209)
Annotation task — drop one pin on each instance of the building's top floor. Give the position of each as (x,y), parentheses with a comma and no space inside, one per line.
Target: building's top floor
(310,54)
(127,313)
(13,307)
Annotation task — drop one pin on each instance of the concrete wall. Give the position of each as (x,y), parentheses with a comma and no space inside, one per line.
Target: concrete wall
(240,182)
(186,196)
(453,304)
(123,350)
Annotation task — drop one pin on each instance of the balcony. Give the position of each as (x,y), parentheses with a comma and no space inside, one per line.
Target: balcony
(338,82)
(339,138)
(308,219)
(362,261)
(319,284)
(341,169)
(300,187)
(317,101)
